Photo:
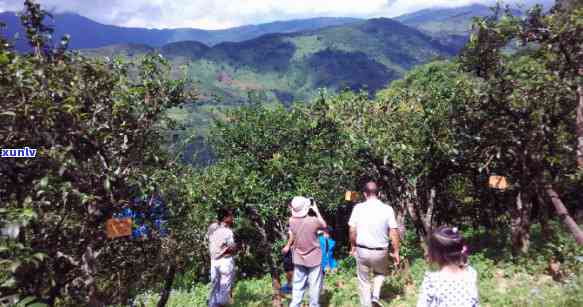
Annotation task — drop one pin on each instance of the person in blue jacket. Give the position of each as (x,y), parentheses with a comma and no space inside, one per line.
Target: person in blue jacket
(327,245)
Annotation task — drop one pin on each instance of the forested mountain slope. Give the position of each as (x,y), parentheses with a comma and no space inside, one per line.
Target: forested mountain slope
(287,67)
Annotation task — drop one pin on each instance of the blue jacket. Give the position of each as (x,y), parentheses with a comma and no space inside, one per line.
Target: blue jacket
(327,253)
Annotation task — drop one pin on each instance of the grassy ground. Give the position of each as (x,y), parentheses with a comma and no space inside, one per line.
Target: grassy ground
(503,280)
(500,285)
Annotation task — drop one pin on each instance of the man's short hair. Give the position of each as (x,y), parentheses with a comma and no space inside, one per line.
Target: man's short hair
(371,188)
(222,213)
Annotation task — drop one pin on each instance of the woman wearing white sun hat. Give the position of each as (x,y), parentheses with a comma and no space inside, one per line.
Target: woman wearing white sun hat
(306,251)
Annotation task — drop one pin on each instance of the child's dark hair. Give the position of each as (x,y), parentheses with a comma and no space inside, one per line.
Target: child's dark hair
(222,213)
(446,247)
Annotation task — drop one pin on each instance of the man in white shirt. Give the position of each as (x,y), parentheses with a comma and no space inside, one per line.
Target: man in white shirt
(371,223)
(222,248)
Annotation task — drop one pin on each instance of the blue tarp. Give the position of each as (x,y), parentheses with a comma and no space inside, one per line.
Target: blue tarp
(146,212)
(327,245)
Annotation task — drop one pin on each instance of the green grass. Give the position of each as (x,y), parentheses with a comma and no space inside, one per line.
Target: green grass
(500,285)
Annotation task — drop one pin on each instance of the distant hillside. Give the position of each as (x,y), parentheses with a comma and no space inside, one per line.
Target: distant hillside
(451,26)
(445,21)
(288,67)
(90,34)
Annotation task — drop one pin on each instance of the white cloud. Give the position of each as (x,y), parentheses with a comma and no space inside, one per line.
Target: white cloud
(216,14)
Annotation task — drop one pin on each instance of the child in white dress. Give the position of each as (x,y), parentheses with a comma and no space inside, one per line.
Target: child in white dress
(456,283)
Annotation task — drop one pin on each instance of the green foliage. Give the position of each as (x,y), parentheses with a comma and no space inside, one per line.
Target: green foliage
(99,130)
(524,121)
(265,156)
(411,137)
(423,111)
(410,243)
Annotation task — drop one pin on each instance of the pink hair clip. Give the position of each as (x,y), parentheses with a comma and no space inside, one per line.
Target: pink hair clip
(464,249)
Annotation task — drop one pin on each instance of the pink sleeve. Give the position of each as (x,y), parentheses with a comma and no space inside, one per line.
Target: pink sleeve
(290,226)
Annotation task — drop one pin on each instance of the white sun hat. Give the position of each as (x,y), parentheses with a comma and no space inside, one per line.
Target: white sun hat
(300,206)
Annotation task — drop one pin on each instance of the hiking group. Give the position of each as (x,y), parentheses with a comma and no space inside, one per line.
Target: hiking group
(374,237)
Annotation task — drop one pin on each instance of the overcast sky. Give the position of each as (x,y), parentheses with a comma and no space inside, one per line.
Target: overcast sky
(219,14)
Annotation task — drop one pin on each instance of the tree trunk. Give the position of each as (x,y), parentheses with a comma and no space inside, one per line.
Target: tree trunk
(274,272)
(275,287)
(520,224)
(416,215)
(543,214)
(579,215)
(427,218)
(564,214)
(410,206)
(422,220)
(88,266)
(167,289)
(580,126)
(401,222)
(273,268)
(341,229)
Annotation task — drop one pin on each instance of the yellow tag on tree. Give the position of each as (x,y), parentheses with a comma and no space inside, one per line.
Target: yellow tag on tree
(350,196)
(498,182)
(118,227)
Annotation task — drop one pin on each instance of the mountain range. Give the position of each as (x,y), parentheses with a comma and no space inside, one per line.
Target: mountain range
(440,22)
(87,33)
(285,61)
(449,25)
(293,66)
(304,56)
(446,21)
